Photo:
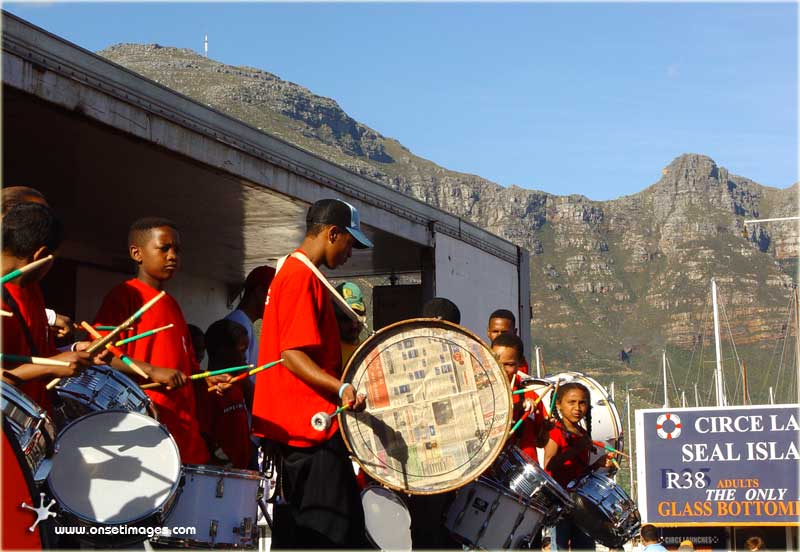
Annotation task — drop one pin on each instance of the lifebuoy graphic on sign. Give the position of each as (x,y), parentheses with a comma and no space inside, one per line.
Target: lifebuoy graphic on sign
(668,426)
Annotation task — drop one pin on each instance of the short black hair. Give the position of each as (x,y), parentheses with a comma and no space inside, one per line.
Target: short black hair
(140,228)
(196,332)
(222,336)
(29,226)
(510,340)
(439,307)
(504,314)
(14,195)
(314,228)
(649,533)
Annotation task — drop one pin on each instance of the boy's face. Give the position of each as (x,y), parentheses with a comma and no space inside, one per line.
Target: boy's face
(159,255)
(338,247)
(499,326)
(507,358)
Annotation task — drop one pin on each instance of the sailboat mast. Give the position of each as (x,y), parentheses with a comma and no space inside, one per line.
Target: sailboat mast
(771,396)
(683,399)
(718,374)
(696,396)
(630,436)
(537,352)
(664,376)
(797,340)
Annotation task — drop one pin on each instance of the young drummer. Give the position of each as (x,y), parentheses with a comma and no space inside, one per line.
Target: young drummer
(167,357)
(316,476)
(535,429)
(31,233)
(223,414)
(566,455)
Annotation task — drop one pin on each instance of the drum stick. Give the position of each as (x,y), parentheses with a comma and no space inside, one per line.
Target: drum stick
(27,268)
(109,337)
(142,335)
(203,375)
(254,371)
(522,418)
(116,352)
(531,388)
(105,328)
(553,398)
(616,464)
(22,359)
(609,448)
(341,409)
(5,313)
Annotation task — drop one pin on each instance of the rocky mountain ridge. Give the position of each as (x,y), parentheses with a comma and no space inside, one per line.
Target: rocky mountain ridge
(612,282)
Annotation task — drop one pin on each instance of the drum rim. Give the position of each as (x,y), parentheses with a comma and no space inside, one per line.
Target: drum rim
(429,322)
(209,469)
(115,375)
(164,506)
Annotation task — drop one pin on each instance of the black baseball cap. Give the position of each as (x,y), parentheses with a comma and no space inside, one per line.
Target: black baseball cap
(341,214)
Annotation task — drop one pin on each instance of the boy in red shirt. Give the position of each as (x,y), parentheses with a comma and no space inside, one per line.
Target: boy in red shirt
(535,430)
(30,233)
(323,508)
(223,414)
(503,321)
(154,244)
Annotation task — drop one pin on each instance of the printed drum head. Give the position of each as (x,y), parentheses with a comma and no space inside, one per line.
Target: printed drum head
(438,407)
(114,467)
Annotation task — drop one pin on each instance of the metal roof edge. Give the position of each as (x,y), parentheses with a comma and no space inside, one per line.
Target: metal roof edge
(38,46)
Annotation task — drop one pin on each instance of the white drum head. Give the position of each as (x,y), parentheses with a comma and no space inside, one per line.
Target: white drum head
(387,519)
(114,467)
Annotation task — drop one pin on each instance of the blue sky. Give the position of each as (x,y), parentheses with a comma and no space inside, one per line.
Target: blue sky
(567,98)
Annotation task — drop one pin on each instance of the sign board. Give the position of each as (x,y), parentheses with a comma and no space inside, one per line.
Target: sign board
(727,466)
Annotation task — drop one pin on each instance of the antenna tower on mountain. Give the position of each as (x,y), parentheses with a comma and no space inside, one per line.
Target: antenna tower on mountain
(205,45)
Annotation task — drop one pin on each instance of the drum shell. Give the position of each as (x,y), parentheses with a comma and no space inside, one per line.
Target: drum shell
(603,510)
(31,428)
(519,474)
(487,516)
(61,486)
(221,497)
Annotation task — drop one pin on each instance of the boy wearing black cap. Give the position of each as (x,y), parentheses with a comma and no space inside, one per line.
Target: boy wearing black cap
(323,508)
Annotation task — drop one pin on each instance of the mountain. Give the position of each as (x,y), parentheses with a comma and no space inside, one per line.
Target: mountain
(612,282)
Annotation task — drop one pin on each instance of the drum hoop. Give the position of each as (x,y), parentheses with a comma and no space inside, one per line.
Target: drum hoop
(165,506)
(425,322)
(216,471)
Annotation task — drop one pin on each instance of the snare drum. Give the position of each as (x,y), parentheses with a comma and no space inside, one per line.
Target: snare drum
(606,423)
(603,510)
(487,516)
(221,504)
(113,469)
(388,523)
(99,388)
(32,429)
(438,407)
(516,471)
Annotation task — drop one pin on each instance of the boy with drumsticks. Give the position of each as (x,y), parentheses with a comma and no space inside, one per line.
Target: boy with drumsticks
(31,233)
(167,357)
(535,430)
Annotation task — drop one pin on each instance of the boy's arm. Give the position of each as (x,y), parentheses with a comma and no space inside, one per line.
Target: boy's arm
(26,372)
(169,377)
(301,365)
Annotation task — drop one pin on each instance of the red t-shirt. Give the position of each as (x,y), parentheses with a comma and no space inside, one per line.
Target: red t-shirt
(224,420)
(298,315)
(16,519)
(523,366)
(168,349)
(526,439)
(573,468)
(31,306)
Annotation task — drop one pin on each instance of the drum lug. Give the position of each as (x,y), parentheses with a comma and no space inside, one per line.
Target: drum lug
(485,525)
(213,528)
(245,530)
(220,488)
(467,503)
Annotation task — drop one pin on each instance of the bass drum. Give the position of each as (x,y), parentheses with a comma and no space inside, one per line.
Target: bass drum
(606,423)
(438,407)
